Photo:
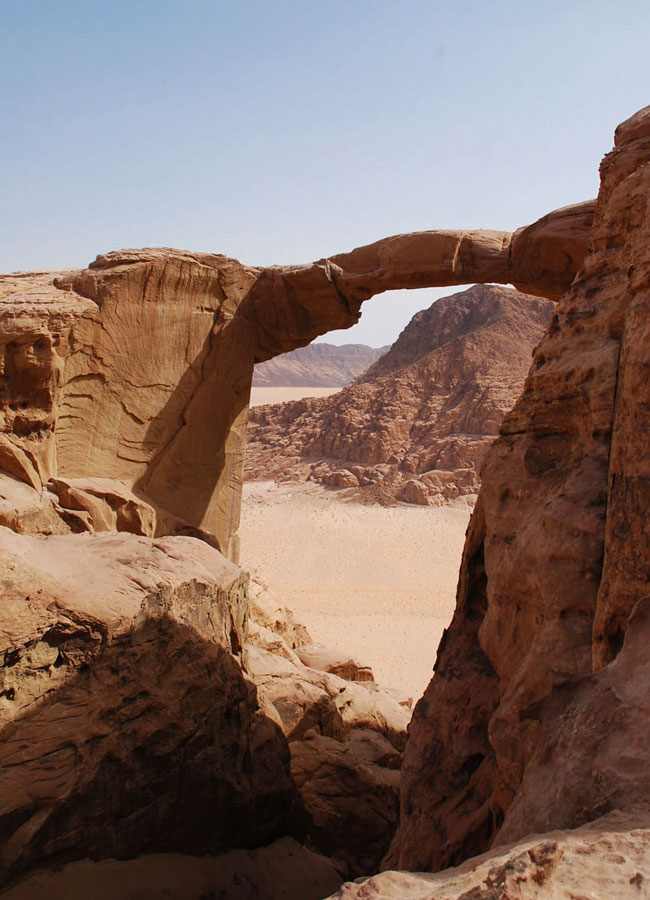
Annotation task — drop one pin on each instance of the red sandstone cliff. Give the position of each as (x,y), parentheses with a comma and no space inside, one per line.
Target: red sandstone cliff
(415,427)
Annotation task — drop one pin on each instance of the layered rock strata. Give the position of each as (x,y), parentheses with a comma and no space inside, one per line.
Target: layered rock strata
(534,717)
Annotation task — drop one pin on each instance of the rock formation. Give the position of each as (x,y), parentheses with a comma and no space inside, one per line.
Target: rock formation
(537,713)
(345,737)
(127,718)
(138,369)
(607,859)
(317,365)
(415,427)
(148,705)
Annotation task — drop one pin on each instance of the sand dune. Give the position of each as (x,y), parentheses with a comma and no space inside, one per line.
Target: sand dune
(376,582)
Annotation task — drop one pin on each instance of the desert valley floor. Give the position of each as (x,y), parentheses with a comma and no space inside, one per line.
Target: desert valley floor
(262,395)
(368,580)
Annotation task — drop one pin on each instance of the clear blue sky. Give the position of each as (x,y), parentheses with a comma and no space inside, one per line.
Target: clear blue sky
(280,132)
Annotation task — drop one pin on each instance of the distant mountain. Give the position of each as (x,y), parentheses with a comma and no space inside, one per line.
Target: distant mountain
(317,365)
(416,425)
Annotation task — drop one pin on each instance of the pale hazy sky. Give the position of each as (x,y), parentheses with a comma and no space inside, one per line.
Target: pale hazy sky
(281,132)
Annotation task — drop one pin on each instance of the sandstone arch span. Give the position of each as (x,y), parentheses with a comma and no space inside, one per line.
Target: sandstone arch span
(136,371)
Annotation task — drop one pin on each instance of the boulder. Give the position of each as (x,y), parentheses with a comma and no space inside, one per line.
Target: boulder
(414,491)
(342,479)
(315,656)
(609,858)
(128,722)
(283,870)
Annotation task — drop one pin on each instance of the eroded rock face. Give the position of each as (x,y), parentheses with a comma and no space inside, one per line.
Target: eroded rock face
(129,724)
(138,369)
(506,737)
(609,858)
(282,871)
(416,426)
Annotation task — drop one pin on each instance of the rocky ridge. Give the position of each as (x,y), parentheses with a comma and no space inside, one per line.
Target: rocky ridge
(416,425)
(317,365)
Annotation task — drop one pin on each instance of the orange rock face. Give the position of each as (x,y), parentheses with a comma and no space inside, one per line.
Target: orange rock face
(555,563)
(139,368)
(417,425)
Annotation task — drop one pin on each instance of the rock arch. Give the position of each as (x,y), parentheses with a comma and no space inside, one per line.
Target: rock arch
(144,361)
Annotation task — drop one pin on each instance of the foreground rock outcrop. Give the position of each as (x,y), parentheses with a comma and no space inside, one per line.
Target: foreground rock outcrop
(607,859)
(317,365)
(128,722)
(416,426)
(535,715)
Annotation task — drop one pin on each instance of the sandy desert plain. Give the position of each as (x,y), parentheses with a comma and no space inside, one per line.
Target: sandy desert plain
(376,582)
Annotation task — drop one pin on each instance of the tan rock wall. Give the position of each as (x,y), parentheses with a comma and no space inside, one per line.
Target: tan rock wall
(556,555)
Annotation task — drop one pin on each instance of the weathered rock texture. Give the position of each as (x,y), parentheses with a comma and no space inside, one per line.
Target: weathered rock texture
(537,713)
(608,859)
(138,369)
(128,722)
(317,365)
(147,705)
(345,737)
(416,426)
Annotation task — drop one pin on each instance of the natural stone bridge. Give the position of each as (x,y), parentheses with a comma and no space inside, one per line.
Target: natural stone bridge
(138,369)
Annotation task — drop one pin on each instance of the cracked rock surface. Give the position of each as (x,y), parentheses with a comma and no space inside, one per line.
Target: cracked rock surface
(534,716)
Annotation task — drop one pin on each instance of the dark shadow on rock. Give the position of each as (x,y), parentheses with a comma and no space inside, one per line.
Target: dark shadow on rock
(155,744)
(199,435)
